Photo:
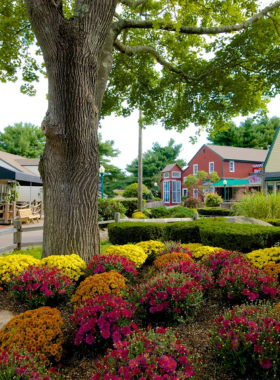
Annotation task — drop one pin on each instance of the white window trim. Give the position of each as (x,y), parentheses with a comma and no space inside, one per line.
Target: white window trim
(187,192)
(166,176)
(175,176)
(195,165)
(184,179)
(164,192)
(232,171)
(212,162)
(195,191)
(179,200)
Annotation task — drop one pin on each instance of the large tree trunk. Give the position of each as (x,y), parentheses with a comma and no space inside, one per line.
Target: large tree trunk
(70,162)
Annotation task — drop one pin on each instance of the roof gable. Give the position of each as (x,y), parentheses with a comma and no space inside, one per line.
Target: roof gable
(239,154)
(272,162)
(170,167)
(14,161)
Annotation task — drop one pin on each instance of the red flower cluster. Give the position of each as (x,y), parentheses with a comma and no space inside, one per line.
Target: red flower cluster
(103,320)
(147,356)
(41,285)
(217,260)
(195,270)
(241,282)
(18,363)
(249,336)
(106,263)
(171,296)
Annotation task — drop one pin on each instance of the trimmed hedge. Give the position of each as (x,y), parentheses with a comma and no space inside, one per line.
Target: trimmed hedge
(131,205)
(274,222)
(212,232)
(216,211)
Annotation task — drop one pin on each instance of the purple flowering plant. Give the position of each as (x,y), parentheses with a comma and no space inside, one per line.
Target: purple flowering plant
(151,355)
(101,321)
(106,263)
(170,296)
(41,286)
(20,364)
(246,339)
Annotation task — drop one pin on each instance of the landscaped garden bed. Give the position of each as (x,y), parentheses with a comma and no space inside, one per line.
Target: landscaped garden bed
(150,310)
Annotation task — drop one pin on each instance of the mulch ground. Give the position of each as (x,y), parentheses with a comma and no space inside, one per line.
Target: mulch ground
(195,335)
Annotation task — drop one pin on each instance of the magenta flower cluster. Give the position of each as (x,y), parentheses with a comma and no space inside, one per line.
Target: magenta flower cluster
(147,356)
(216,261)
(172,296)
(102,321)
(243,282)
(106,263)
(41,285)
(195,270)
(17,363)
(249,336)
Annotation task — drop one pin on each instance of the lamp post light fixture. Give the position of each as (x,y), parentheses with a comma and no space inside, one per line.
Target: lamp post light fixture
(155,184)
(102,171)
(225,190)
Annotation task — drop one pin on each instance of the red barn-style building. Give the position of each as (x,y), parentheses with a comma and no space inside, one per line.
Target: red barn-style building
(235,165)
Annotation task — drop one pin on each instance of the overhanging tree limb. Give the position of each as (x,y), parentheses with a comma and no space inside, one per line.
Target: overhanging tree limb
(133,4)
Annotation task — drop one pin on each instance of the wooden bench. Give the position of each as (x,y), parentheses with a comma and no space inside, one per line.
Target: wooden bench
(25,215)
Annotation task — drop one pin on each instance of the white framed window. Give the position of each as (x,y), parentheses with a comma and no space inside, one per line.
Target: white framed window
(166,191)
(166,175)
(176,174)
(195,193)
(185,192)
(211,167)
(176,191)
(184,179)
(232,166)
(195,169)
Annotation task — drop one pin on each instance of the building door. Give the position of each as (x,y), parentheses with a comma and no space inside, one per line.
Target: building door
(176,191)
(166,191)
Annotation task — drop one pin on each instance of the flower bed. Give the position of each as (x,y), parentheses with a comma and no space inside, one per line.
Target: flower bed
(106,263)
(173,296)
(102,321)
(37,330)
(15,264)
(272,270)
(217,260)
(72,265)
(200,252)
(154,355)
(104,283)
(249,336)
(151,248)
(169,258)
(262,257)
(130,251)
(41,286)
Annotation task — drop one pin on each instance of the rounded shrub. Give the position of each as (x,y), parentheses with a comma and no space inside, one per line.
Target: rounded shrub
(72,265)
(151,248)
(131,191)
(106,263)
(170,296)
(272,270)
(213,200)
(41,286)
(169,258)
(262,257)
(101,321)
(14,265)
(132,252)
(147,355)
(249,335)
(138,215)
(204,250)
(217,260)
(104,283)
(37,330)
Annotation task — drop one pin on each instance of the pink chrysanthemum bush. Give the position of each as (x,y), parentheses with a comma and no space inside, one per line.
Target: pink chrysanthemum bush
(106,263)
(242,282)
(170,296)
(197,271)
(246,339)
(173,246)
(41,286)
(101,321)
(151,355)
(19,363)
(216,261)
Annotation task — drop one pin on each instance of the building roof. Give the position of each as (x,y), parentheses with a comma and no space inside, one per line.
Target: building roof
(272,146)
(28,161)
(239,154)
(169,167)
(234,182)
(15,161)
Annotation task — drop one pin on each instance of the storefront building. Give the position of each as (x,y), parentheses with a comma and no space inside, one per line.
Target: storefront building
(271,170)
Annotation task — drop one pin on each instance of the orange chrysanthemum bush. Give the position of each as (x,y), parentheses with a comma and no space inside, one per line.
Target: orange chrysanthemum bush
(272,270)
(36,330)
(103,283)
(171,258)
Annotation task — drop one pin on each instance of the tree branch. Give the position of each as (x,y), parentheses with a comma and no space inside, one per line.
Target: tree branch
(133,4)
(148,24)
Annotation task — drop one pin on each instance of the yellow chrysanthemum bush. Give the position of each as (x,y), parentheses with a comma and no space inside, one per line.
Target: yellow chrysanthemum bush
(170,258)
(138,215)
(151,248)
(72,265)
(36,330)
(204,250)
(191,246)
(262,257)
(131,251)
(103,283)
(14,265)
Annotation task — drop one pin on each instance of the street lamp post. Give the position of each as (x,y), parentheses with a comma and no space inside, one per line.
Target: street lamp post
(225,190)
(102,171)
(155,184)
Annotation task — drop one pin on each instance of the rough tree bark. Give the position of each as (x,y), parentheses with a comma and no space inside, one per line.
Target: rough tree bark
(78,63)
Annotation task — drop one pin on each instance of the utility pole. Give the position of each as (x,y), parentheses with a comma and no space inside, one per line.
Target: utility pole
(140,165)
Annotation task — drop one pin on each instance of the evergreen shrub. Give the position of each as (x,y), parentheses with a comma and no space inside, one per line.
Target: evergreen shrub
(135,232)
(217,211)
(131,205)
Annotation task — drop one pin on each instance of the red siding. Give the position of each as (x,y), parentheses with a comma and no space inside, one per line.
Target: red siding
(242,169)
